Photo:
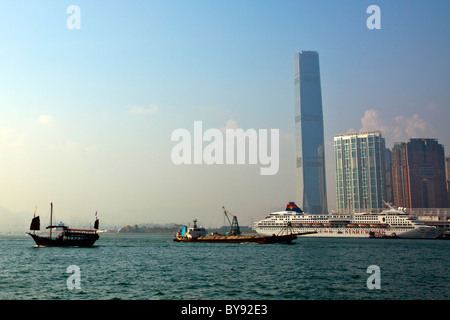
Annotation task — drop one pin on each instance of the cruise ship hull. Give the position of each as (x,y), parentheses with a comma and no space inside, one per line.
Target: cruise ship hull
(324,232)
(391,223)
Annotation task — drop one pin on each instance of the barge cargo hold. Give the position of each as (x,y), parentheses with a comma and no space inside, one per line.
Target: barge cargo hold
(242,239)
(198,234)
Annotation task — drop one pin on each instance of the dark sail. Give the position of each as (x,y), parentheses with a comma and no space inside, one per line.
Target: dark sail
(35,224)
(96,224)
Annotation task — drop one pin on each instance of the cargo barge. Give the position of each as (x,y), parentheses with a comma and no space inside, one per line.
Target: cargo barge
(288,238)
(198,234)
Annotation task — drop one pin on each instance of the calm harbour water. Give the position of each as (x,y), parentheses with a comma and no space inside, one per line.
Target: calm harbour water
(141,267)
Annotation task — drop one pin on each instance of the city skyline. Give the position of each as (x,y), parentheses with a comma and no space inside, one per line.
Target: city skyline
(86,115)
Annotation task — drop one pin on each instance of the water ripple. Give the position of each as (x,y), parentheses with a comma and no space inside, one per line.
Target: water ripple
(154,267)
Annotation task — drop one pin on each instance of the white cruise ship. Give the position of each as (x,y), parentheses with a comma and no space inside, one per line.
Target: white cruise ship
(388,223)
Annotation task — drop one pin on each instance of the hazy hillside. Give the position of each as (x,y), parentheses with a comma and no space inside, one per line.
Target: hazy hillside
(11,222)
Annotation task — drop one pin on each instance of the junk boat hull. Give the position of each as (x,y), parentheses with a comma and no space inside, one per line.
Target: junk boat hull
(65,240)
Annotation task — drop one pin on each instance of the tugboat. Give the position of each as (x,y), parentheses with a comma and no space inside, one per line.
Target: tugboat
(191,233)
(65,236)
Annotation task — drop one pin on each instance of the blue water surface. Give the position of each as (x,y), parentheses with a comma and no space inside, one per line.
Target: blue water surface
(153,267)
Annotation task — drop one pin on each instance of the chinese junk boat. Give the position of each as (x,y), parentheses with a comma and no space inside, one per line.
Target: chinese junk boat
(63,236)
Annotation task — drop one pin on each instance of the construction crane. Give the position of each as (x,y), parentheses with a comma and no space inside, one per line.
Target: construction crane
(235,230)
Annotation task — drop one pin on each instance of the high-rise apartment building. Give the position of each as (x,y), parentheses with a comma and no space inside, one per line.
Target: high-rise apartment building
(360,171)
(447,177)
(418,170)
(389,188)
(400,175)
(309,136)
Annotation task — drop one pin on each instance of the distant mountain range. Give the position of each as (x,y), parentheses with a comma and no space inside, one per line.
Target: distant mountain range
(11,222)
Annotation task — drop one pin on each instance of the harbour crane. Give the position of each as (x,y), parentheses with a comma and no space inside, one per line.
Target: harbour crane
(235,230)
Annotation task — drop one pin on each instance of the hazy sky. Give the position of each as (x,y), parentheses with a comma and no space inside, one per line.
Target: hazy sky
(86,115)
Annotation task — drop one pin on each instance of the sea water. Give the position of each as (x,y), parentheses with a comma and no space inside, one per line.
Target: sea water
(153,267)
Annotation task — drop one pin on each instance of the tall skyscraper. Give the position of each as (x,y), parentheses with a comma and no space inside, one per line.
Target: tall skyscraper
(418,170)
(360,172)
(309,136)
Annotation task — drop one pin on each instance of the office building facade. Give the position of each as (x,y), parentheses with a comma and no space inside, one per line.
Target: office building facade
(360,172)
(389,188)
(418,169)
(309,134)
(447,177)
